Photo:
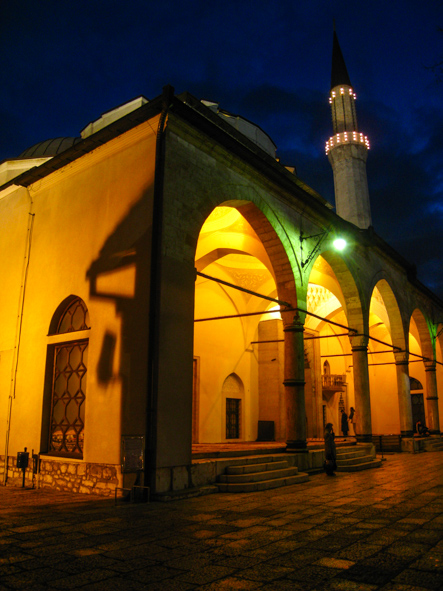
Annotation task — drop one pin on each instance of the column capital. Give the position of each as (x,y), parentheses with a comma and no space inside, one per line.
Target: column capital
(293,382)
(296,324)
(430,364)
(401,357)
(359,342)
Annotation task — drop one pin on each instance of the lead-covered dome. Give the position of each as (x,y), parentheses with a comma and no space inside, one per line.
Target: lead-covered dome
(49,148)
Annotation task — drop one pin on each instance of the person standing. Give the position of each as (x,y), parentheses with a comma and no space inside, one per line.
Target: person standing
(344,424)
(330,464)
(353,419)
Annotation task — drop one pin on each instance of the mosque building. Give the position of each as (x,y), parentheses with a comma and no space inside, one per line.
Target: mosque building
(169,287)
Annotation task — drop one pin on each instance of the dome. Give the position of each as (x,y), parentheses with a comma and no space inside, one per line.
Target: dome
(49,148)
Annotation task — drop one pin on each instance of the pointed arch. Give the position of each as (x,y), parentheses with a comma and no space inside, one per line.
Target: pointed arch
(395,325)
(425,340)
(71,315)
(284,276)
(350,298)
(239,246)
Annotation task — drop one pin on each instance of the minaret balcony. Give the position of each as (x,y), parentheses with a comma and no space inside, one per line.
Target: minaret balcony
(347,137)
(343,91)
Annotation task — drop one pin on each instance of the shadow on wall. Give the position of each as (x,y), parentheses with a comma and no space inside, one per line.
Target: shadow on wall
(106,361)
(121,274)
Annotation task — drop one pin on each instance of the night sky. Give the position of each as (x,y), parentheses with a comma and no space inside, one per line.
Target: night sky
(64,63)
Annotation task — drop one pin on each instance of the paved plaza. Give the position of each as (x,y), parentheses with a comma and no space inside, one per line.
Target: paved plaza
(377,529)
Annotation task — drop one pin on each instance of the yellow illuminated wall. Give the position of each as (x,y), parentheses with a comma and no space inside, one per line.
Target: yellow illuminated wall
(90,238)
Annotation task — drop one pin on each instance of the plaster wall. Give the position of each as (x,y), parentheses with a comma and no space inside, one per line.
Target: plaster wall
(272,405)
(384,397)
(223,347)
(87,217)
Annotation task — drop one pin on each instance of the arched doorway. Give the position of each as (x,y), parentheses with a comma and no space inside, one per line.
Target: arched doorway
(232,402)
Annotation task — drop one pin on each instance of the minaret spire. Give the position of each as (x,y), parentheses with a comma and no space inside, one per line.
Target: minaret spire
(339,73)
(347,149)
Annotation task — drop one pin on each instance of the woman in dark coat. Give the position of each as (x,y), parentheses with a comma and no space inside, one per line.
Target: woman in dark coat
(330,452)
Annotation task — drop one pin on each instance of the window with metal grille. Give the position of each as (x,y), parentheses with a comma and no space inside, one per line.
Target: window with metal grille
(233,418)
(75,317)
(67,418)
(68,398)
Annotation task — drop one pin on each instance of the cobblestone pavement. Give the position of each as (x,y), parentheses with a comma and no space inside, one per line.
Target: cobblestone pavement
(378,529)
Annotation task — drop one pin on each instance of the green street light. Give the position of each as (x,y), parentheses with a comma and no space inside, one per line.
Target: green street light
(339,244)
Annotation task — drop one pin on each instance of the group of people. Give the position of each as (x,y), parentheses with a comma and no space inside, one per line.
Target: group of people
(330,464)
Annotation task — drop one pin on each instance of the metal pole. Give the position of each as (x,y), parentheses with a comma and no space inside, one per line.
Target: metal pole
(238,315)
(328,336)
(254,293)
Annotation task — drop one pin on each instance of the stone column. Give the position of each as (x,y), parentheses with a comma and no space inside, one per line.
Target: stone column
(294,383)
(359,345)
(433,421)
(404,393)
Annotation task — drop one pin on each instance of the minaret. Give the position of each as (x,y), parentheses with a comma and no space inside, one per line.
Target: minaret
(347,149)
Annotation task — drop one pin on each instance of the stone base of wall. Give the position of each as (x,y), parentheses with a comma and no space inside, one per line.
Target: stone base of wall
(65,475)
(179,478)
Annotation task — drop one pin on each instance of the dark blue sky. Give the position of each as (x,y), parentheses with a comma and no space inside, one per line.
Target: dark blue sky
(64,63)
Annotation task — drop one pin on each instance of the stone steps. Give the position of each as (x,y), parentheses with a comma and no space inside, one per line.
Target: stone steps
(437,446)
(357,458)
(257,467)
(253,474)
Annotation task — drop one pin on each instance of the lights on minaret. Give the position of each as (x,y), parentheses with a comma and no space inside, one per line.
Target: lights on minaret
(347,148)
(345,137)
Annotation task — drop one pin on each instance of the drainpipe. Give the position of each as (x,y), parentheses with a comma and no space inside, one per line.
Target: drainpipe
(155,291)
(18,331)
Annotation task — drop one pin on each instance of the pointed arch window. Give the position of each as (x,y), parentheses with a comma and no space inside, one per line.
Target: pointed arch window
(75,317)
(68,394)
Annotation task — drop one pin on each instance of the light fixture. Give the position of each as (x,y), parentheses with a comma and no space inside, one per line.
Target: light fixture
(320,237)
(339,243)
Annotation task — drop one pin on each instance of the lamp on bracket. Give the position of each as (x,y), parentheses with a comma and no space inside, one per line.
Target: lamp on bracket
(339,244)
